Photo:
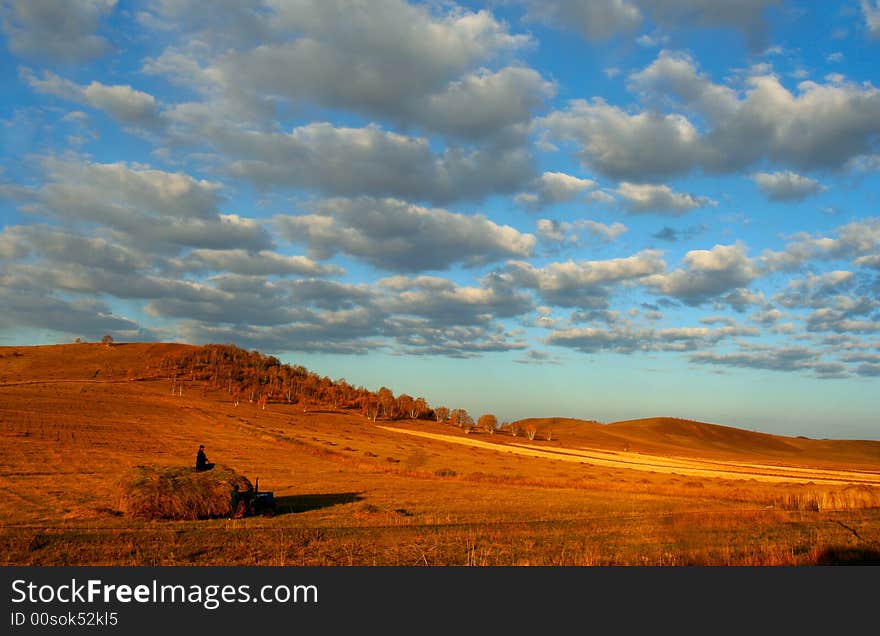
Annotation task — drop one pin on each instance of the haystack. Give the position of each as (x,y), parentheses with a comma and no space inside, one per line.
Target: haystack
(173,492)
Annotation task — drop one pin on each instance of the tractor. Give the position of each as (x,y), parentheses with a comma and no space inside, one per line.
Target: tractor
(252,502)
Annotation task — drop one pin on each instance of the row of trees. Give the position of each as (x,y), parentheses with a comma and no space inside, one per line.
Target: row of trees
(262,380)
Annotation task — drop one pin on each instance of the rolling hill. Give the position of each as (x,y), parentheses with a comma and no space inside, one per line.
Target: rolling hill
(359,481)
(688,438)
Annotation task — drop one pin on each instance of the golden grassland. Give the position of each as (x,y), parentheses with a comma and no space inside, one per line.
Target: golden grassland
(75,419)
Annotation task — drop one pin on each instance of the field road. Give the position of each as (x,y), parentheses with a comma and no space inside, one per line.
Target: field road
(670,465)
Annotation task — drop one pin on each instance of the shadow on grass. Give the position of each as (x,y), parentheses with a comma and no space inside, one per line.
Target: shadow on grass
(303,503)
(848,556)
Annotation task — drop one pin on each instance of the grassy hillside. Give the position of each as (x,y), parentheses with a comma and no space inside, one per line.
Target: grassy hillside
(76,419)
(687,438)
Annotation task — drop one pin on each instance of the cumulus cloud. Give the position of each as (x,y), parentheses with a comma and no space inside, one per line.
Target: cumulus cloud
(674,76)
(399,313)
(55,31)
(341,161)
(644,197)
(585,284)
(742,299)
(786,186)
(417,336)
(707,274)
(857,240)
(122,102)
(147,206)
(442,302)
(252,263)
(817,126)
(602,19)
(395,235)
(593,20)
(815,290)
(838,320)
(623,145)
(551,188)
(65,248)
(767,318)
(93,266)
(88,318)
(746,16)
(396,61)
(872,261)
(871,12)
(345,332)
(775,359)
(242,300)
(627,339)
(569,232)
(484,103)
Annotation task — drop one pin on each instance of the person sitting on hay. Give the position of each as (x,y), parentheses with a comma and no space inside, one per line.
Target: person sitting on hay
(202,460)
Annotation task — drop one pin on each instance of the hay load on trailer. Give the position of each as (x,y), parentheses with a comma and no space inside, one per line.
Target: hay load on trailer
(182,493)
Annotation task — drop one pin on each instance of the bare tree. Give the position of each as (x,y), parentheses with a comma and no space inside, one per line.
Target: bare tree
(419,408)
(404,405)
(441,414)
(462,418)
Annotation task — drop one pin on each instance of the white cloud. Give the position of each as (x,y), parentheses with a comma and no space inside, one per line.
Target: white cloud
(250,263)
(64,31)
(146,206)
(786,186)
(484,103)
(707,274)
(853,240)
(603,19)
(746,16)
(622,145)
(552,188)
(871,12)
(395,61)
(442,302)
(569,231)
(775,359)
(676,74)
(367,161)
(639,197)
(122,102)
(628,339)
(395,235)
(817,126)
(584,284)
(595,20)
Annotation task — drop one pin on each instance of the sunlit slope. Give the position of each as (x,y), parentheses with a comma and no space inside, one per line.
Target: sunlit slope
(85,396)
(84,361)
(687,438)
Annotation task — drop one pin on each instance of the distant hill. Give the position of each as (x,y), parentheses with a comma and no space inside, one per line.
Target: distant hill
(234,373)
(688,438)
(217,368)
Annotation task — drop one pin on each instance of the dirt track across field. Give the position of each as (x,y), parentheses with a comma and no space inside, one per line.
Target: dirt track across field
(669,465)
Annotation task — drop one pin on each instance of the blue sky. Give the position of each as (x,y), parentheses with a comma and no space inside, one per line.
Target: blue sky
(606,209)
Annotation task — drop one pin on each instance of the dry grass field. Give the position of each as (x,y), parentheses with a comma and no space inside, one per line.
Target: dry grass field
(75,419)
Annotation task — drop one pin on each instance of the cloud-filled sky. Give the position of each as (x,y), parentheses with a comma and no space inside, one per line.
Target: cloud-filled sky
(603,209)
